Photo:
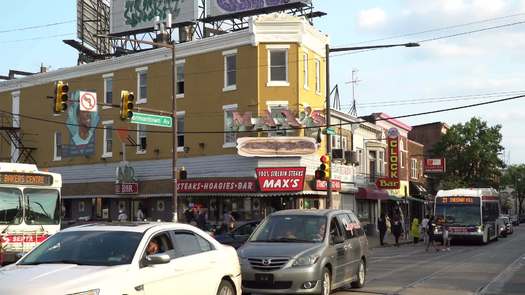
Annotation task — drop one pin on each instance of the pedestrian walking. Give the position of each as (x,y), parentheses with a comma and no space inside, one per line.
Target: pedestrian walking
(397,229)
(139,215)
(446,238)
(430,233)
(424,227)
(202,218)
(228,221)
(415,230)
(381,227)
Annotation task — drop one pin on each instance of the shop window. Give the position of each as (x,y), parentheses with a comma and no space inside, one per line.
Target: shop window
(81,206)
(363,210)
(122,205)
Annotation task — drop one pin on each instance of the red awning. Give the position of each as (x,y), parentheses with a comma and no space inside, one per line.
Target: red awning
(371,194)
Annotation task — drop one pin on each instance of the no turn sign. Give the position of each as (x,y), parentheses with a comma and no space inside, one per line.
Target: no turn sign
(88,101)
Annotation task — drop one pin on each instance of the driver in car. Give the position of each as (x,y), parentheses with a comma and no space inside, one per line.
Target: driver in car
(153,247)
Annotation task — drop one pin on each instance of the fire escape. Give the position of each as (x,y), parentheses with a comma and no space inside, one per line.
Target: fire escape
(12,135)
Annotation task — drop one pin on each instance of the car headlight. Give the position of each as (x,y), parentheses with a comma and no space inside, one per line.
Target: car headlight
(306,260)
(90,292)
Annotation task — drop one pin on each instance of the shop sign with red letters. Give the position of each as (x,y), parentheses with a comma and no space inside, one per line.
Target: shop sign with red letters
(289,179)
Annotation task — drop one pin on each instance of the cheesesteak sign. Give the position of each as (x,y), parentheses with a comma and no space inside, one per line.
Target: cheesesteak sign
(217,186)
(281,179)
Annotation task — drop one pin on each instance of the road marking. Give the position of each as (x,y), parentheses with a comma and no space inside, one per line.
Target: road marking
(498,283)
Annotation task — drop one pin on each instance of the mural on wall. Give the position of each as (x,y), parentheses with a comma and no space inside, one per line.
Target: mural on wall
(278,119)
(81,126)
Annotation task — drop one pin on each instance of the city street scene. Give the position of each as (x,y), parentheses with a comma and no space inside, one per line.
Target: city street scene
(228,147)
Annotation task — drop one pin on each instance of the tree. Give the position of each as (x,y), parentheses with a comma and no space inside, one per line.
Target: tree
(514,176)
(471,151)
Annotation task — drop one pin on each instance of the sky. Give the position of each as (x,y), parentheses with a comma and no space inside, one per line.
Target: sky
(466,69)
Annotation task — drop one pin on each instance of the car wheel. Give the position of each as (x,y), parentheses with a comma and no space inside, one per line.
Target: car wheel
(226,288)
(326,282)
(361,275)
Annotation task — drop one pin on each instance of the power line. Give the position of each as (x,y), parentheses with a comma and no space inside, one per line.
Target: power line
(37,26)
(283,129)
(36,38)
(441,37)
(436,29)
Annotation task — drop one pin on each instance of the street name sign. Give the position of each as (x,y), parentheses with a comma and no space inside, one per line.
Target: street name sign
(152,120)
(330,131)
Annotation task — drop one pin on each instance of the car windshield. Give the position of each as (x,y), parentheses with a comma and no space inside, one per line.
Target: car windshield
(100,248)
(42,206)
(459,214)
(10,206)
(294,228)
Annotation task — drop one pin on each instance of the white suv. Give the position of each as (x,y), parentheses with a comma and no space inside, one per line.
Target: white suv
(108,259)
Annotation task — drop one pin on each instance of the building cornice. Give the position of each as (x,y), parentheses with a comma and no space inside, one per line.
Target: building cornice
(274,28)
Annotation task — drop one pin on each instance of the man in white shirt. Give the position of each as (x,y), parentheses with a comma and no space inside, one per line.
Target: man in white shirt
(122,216)
(424,226)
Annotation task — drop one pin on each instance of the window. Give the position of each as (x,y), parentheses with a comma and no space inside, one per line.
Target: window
(188,244)
(180,131)
(108,89)
(381,163)
(57,153)
(278,65)
(317,76)
(230,70)
(180,78)
(141,139)
(164,243)
(305,70)
(142,85)
(230,139)
(107,150)
(413,169)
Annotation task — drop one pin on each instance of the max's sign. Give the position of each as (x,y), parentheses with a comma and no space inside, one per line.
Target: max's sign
(281,179)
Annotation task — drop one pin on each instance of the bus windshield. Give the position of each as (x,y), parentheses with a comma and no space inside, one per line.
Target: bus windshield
(42,206)
(459,214)
(10,206)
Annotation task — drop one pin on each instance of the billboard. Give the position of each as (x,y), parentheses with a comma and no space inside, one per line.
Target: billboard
(435,165)
(280,146)
(226,7)
(139,15)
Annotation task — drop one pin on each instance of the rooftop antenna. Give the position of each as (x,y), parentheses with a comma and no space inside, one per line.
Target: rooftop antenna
(337,101)
(353,109)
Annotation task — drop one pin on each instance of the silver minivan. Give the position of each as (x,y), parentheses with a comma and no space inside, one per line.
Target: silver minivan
(304,252)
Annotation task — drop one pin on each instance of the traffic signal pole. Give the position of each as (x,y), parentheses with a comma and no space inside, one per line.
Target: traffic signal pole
(328,139)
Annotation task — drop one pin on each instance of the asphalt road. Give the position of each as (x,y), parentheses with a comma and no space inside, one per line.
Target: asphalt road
(496,268)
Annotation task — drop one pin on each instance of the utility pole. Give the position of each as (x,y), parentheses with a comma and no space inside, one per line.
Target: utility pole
(171,45)
(328,139)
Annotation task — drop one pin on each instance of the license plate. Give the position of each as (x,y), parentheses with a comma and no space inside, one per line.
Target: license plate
(264,277)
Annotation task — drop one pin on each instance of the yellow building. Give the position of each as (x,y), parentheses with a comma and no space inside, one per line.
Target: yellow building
(274,68)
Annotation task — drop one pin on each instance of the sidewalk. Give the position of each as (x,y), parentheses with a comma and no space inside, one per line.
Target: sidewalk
(373,241)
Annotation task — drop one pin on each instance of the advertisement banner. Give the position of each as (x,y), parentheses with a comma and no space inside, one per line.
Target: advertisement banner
(81,126)
(217,186)
(321,185)
(290,179)
(139,15)
(435,165)
(226,7)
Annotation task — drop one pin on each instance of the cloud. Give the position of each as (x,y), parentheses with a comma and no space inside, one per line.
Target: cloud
(450,50)
(489,7)
(371,18)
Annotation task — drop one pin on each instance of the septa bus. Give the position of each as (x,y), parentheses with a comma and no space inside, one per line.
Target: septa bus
(29,208)
(469,213)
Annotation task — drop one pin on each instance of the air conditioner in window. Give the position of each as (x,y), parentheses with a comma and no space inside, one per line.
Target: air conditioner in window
(337,154)
(352,157)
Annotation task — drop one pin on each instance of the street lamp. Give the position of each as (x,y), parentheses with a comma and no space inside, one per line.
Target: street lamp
(173,115)
(328,50)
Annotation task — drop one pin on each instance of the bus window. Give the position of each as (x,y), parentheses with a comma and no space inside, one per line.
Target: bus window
(42,206)
(10,206)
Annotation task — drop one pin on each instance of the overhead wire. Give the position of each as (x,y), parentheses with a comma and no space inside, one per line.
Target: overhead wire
(282,129)
(36,26)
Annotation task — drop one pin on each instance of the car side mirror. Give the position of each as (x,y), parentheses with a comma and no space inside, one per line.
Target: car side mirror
(160,258)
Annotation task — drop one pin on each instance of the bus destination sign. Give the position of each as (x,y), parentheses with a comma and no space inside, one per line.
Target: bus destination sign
(25,179)
(457,200)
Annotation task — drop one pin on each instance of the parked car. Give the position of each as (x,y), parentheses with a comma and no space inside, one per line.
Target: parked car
(126,258)
(515,220)
(304,252)
(238,236)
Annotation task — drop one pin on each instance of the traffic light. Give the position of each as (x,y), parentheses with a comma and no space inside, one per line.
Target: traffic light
(126,105)
(61,97)
(183,174)
(323,172)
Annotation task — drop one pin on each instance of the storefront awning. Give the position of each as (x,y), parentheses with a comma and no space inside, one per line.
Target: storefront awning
(371,194)
(417,189)
(256,195)
(407,198)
